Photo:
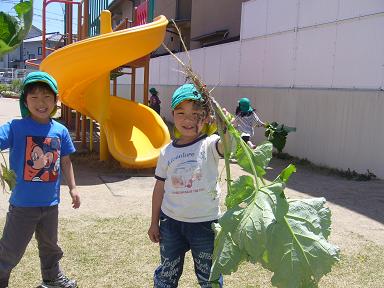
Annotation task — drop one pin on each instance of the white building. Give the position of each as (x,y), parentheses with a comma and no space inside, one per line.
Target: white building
(31,47)
(314,65)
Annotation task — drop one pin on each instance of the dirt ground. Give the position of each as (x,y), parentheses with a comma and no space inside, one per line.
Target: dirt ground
(357,207)
(106,191)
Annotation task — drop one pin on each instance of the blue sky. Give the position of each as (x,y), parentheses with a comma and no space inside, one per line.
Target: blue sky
(55,14)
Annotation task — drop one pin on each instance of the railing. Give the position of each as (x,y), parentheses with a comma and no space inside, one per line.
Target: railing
(124,24)
(7,75)
(141,13)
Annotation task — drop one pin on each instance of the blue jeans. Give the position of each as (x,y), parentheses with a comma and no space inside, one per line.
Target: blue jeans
(176,238)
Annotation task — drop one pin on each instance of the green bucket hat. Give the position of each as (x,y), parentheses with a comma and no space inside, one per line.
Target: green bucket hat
(33,77)
(245,105)
(153,91)
(185,92)
(189,92)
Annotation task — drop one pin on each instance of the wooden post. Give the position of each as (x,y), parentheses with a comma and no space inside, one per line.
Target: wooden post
(133,84)
(79,37)
(78,126)
(114,92)
(146,81)
(84,131)
(84,35)
(64,113)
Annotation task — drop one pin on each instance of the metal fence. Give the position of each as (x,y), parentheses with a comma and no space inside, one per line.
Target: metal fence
(7,75)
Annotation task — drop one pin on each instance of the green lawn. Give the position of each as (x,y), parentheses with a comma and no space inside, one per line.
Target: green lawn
(115,252)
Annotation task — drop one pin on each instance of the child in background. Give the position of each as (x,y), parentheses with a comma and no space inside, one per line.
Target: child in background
(245,121)
(39,152)
(154,100)
(185,199)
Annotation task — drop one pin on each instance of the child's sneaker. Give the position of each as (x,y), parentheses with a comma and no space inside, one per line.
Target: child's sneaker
(61,281)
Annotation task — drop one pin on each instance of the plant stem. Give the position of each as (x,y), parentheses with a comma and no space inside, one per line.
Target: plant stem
(219,112)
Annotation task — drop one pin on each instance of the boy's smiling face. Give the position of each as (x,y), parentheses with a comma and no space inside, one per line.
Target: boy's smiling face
(189,118)
(41,102)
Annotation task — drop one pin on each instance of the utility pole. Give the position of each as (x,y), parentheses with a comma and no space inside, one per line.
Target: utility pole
(22,49)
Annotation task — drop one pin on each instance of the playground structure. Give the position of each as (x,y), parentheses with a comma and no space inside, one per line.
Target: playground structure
(131,132)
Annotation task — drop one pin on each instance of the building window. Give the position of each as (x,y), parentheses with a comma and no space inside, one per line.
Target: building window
(39,50)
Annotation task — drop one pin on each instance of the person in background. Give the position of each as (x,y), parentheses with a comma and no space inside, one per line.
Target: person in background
(39,149)
(185,199)
(245,121)
(154,101)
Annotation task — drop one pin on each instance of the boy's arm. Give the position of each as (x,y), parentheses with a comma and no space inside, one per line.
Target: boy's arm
(157,199)
(66,166)
(5,136)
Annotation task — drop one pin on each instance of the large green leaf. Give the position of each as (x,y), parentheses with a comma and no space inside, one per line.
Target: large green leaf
(14,29)
(260,157)
(277,134)
(296,247)
(243,188)
(287,237)
(7,176)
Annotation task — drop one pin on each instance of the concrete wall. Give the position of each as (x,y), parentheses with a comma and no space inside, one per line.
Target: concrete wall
(213,15)
(168,9)
(309,67)
(121,11)
(338,128)
(309,43)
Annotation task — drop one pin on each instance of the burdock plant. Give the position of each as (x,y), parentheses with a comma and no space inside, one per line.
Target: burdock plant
(7,176)
(261,225)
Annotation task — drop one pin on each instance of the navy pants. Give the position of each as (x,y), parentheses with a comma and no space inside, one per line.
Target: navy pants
(19,227)
(176,238)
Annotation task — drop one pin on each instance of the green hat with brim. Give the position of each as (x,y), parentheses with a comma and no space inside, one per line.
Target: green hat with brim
(245,105)
(185,92)
(153,91)
(33,77)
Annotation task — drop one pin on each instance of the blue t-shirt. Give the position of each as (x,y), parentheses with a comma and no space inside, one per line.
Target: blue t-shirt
(35,152)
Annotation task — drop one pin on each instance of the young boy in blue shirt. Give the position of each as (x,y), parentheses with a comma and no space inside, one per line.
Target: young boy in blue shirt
(39,149)
(185,199)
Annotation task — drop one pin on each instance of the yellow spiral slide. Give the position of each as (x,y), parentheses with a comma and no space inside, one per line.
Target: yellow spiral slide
(132,132)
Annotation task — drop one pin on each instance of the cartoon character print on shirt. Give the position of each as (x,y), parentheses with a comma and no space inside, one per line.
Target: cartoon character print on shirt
(42,161)
(188,172)
(185,174)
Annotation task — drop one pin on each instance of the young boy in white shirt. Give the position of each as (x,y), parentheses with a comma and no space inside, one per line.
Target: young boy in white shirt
(185,199)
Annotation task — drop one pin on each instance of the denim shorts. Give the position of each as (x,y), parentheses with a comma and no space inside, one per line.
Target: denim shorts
(176,238)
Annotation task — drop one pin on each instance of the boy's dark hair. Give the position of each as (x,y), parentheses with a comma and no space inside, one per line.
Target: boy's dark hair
(37,86)
(45,81)
(198,105)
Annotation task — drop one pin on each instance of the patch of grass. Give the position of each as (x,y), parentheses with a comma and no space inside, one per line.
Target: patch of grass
(116,252)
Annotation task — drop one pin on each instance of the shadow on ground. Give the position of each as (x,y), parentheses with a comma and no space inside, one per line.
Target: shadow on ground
(363,197)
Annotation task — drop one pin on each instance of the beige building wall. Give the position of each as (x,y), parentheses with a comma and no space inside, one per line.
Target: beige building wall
(121,10)
(326,79)
(213,15)
(169,8)
(166,8)
(335,128)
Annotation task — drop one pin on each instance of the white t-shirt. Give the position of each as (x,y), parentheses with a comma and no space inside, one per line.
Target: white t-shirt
(245,123)
(190,172)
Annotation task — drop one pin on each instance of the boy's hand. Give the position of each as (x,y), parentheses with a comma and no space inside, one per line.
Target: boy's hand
(154,233)
(75,198)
